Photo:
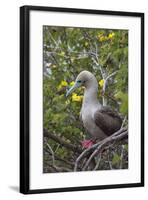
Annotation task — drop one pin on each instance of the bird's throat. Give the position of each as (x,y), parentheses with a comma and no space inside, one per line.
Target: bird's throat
(91,95)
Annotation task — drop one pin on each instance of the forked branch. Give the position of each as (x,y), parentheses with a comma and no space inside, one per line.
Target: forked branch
(97,148)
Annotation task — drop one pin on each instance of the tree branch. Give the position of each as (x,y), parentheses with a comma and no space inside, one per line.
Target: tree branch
(52,153)
(104,87)
(98,163)
(60,159)
(99,147)
(62,142)
(106,80)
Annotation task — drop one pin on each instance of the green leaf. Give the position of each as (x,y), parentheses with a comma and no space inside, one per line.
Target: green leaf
(126,147)
(123,97)
(116,158)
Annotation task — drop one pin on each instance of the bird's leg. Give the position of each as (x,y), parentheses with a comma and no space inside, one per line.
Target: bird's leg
(88,143)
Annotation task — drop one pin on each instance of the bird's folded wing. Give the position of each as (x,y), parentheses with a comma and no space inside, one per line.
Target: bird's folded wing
(106,119)
(110,112)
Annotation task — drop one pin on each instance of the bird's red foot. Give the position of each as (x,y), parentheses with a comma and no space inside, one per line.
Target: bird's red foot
(87,143)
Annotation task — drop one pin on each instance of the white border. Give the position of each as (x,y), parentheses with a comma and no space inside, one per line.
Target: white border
(38,180)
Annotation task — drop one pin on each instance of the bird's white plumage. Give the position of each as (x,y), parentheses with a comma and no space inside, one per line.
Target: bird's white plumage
(99,121)
(90,105)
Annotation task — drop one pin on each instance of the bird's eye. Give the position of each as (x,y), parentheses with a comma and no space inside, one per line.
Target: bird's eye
(79,81)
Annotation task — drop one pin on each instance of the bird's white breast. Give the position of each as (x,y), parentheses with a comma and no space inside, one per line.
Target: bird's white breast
(87,113)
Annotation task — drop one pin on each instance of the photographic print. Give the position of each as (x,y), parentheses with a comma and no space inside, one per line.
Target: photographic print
(85,99)
(81,99)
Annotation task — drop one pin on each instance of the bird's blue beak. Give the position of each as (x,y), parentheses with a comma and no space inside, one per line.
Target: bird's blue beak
(76,85)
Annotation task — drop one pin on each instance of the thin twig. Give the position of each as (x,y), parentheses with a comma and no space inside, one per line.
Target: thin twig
(61,141)
(52,154)
(109,162)
(61,159)
(124,120)
(98,163)
(104,87)
(121,157)
(96,148)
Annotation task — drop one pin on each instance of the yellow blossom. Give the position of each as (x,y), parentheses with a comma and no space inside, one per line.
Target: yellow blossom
(62,53)
(99,35)
(67,102)
(54,66)
(62,84)
(102,38)
(86,44)
(101,82)
(72,83)
(111,35)
(76,97)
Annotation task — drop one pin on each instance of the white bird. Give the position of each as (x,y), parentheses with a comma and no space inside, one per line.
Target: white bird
(100,121)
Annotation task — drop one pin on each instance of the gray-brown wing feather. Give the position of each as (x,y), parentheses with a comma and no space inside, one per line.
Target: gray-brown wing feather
(109,121)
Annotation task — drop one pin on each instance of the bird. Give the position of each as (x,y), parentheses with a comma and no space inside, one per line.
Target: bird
(98,120)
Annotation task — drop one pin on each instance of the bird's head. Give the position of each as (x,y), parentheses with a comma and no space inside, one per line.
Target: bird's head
(84,78)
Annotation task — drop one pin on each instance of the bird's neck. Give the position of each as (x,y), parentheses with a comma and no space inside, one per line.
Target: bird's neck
(91,95)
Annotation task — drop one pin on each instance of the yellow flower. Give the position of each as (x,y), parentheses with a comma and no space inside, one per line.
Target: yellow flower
(102,38)
(67,102)
(100,34)
(76,97)
(54,66)
(72,83)
(101,82)
(62,53)
(111,35)
(86,44)
(62,84)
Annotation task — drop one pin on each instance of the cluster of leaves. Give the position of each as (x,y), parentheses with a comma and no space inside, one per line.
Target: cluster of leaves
(66,52)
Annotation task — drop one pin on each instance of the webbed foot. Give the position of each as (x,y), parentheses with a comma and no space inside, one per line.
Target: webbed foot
(87,143)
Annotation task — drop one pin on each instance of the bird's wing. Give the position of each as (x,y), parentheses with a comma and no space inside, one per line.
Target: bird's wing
(109,121)
(110,112)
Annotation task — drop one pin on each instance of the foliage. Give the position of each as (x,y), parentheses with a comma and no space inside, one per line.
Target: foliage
(66,52)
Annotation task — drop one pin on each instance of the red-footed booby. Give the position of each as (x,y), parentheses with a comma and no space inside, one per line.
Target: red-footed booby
(100,121)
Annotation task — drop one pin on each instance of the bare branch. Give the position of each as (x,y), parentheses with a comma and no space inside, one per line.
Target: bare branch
(98,163)
(52,153)
(124,120)
(62,142)
(61,159)
(104,87)
(109,162)
(98,147)
(54,41)
(106,80)
(121,157)
(59,169)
